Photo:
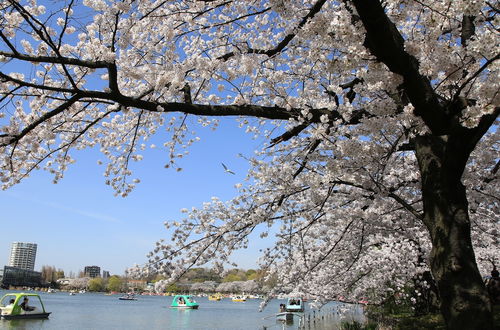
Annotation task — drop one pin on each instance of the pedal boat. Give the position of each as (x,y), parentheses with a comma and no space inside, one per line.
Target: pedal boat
(215,297)
(128,296)
(184,301)
(294,305)
(15,312)
(239,298)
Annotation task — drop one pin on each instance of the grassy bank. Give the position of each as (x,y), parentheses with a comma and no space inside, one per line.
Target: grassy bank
(407,320)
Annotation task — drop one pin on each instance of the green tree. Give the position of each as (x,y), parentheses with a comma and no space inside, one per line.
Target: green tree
(59,274)
(50,274)
(201,275)
(96,284)
(231,278)
(173,288)
(235,275)
(47,273)
(251,274)
(114,283)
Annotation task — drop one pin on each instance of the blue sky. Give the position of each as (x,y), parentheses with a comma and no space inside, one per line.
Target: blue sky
(78,222)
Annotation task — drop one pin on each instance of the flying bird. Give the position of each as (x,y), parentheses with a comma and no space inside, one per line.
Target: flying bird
(226,169)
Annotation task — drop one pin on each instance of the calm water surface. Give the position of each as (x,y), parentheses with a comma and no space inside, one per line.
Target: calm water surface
(96,311)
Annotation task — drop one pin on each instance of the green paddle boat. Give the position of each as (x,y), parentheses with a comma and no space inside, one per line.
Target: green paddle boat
(16,306)
(184,301)
(294,305)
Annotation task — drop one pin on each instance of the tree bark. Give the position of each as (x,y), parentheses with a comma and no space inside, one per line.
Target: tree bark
(464,299)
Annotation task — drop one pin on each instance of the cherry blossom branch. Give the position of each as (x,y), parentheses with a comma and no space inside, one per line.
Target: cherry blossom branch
(327,253)
(43,34)
(65,145)
(333,115)
(65,25)
(222,23)
(214,238)
(9,44)
(132,143)
(286,40)
(407,206)
(10,93)
(387,45)
(360,249)
(473,76)
(55,60)
(162,3)
(487,194)
(10,139)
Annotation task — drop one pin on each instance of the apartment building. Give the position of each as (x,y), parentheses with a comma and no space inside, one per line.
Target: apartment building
(23,255)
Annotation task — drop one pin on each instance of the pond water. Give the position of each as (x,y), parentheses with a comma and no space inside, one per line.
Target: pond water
(98,311)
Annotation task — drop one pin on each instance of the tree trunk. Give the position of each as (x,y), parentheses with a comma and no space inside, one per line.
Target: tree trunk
(464,299)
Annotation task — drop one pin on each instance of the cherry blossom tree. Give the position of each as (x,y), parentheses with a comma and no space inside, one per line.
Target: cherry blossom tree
(238,287)
(79,283)
(384,157)
(207,286)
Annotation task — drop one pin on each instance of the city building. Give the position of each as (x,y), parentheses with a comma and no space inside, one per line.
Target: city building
(22,255)
(92,271)
(105,274)
(13,276)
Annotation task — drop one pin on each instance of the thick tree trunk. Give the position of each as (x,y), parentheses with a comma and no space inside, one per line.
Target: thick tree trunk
(464,300)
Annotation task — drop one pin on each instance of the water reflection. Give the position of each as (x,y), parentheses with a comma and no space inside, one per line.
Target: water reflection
(23,324)
(180,317)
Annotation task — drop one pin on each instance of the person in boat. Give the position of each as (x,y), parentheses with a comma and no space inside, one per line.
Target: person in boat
(181,301)
(8,309)
(25,307)
(493,287)
(282,308)
(11,303)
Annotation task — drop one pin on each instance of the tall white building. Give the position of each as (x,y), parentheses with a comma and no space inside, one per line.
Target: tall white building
(22,255)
